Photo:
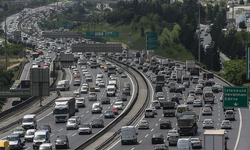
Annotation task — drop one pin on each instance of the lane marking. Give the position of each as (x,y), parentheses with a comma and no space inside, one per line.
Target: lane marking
(74,134)
(239,132)
(82,115)
(52,134)
(60,130)
(146,135)
(140,141)
(156,124)
(87,112)
(152,130)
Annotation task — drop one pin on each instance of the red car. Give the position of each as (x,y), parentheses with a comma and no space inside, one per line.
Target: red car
(76,75)
(115,110)
(47,64)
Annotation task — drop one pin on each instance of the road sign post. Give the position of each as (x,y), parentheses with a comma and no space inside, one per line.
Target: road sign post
(151,40)
(248,61)
(235,97)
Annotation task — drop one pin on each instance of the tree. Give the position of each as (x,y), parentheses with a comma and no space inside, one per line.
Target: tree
(175,34)
(165,38)
(5,7)
(142,31)
(144,21)
(133,25)
(242,25)
(152,27)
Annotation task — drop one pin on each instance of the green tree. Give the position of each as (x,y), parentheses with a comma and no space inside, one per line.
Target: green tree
(144,21)
(152,27)
(175,34)
(133,25)
(156,18)
(242,25)
(165,38)
(142,31)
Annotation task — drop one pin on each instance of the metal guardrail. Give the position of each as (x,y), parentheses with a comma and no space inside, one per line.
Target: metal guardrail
(136,117)
(15,94)
(113,123)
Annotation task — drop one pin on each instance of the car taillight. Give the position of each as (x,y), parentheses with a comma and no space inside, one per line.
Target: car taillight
(154,149)
(222,124)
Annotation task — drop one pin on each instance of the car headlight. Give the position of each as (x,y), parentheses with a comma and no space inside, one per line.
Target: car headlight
(64,142)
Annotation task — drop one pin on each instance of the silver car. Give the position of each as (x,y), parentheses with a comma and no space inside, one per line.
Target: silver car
(156,104)
(19,131)
(206,111)
(197,103)
(226,124)
(92,97)
(85,128)
(72,123)
(118,105)
(208,123)
(80,102)
(196,142)
(29,135)
(143,124)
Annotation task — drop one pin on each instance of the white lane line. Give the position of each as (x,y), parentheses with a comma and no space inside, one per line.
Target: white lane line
(44,116)
(74,134)
(152,130)
(101,115)
(60,130)
(219,119)
(239,132)
(132,148)
(160,119)
(52,134)
(71,78)
(140,141)
(87,112)
(146,135)
(82,115)
(156,124)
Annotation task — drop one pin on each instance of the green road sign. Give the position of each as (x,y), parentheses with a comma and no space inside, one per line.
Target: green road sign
(112,34)
(95,34)
(152,41)
(236,97)
(69,25)
(248,61)
(58,25)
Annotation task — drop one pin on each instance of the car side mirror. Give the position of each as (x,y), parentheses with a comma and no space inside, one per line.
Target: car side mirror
(136,133)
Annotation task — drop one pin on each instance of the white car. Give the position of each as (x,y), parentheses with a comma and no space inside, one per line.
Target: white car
(84,89)
(172,133)
(118,105)
(99,75)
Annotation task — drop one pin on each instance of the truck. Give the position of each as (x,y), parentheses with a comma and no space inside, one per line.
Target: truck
(111,90)
(141,60)
(195,71)
(168,109)
(187,123)
(4,145)
(165,62)
(207,76)
(92,89)
(112,82)
(160,80)
(64,109)
(180,72)
(111,70)
(214,140)
(15,142)
(21,84)
(153,60)
(190,64)
(63,85)
(144,53)
(35,55)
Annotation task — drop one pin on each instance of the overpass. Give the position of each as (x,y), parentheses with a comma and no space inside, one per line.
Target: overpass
(16,93)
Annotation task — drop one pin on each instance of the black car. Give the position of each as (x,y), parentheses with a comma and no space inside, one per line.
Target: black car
(109,114)
(161,147)
(45,127)
(172,89)
(105,100)
(178,90)
(157,138)
(145,70)
(126,91)
(62,141)
(139,67)
(98,123)
(165,124)
(126,85)
(172,140)
(123,97)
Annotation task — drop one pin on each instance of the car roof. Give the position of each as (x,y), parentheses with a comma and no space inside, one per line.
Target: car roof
(13,135)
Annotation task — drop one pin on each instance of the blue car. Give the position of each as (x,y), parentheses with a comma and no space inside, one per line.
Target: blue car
(109,114)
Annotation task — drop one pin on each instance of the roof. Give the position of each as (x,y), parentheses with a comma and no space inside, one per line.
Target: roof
(64,98)
(28,116)
(214,132)
(124,127)
(13,135)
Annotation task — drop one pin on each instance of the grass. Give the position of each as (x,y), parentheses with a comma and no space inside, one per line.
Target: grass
(137,41)
(13,61)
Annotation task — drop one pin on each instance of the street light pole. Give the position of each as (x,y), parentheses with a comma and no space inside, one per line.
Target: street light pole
(199,46)
(5,38)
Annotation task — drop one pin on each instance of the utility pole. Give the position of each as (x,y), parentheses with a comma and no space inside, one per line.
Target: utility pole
(199,46)
(129,42)
(5,38)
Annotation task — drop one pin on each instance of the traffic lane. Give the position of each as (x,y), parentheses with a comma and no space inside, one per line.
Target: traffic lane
(26,70)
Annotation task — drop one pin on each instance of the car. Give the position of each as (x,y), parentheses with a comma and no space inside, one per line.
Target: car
(206,111)
(182,87)
(92,96)
(143,124)
(97,89)
(226,134)
(99,75)
(219,86)
(215,89)
(62,141)
(77,82)
(45,127)
(200,86)
(115,110)
(156,104)
(165,124)
(173,140)
(118,105)
(161,147)
(109,114)
(80,102)
(123,75)
(172,89)
(97,123)
(29,135)
(197,103)
(160,95)
(84,89)
(190,100)
(105,100)
(172,133)
(196,143)
(85,128)
(72,123)
(229,115)
(123,97)
(186,84)
(226,124)
(198,91)
(19,131)
(88,79)
(209,105)
(208,123)
(76,75)
(77,118)
(178,95)
(101,84)
(126,91)
(157,138)
(76,108)
(154,109)
(102,66)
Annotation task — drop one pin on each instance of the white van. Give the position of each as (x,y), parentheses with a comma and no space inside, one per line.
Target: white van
(29,122)
(128,135)
(63,85)
(40,137)
(111,90)
(149,113)
(184,144)
(96,108)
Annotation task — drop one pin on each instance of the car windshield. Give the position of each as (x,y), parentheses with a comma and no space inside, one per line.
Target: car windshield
(96,106)
(18,129)
(80,100)
(72,121)
(85,125)
(30,133)
(61,111)
(27,120)
(97,121)
(183,144)
(157,135)
(12,138)
(39,137)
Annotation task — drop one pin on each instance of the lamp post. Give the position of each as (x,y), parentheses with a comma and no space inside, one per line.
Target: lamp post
(199,46)
(212,65)
(129,41)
